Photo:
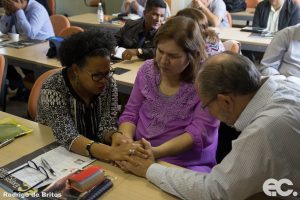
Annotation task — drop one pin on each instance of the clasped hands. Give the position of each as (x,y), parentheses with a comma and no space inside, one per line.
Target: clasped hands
(11,6)
(199,3)
(132,156)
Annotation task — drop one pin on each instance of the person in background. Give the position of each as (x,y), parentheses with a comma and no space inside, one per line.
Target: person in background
(282,55)
(138,7)
(215,11)
(213,44)
(163,106)
(275,15)
(137,36)
(29,18)
(79,102)
(266,110)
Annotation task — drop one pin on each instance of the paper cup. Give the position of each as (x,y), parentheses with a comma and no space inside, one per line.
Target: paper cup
(14,37)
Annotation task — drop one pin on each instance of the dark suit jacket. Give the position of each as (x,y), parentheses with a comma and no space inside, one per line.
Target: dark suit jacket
(130,36)
(289,14)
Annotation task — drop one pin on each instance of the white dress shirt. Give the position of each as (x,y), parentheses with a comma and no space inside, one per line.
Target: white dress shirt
(273,19)
(283,54)
(268,147)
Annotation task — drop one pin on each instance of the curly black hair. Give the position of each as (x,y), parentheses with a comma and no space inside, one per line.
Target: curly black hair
(76,48)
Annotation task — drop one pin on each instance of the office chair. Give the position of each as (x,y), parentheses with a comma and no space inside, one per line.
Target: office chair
(3,88)
(59,22)
(35,93)
(66,32)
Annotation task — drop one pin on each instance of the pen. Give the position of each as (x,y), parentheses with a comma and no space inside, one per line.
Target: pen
(6,142)
(47,166)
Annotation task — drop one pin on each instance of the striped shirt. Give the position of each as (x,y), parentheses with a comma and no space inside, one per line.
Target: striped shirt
(268,147)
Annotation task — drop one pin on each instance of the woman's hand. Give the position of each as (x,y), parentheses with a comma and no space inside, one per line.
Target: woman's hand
(125,150)
(119,139)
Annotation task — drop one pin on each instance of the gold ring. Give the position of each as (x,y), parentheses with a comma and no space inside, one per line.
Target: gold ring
(131,151)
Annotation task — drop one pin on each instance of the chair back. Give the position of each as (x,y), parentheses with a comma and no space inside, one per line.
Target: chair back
(229,18)
(252,3)
(59,22)
(233,46)
(3,71)
(52,6)
(35,93)
(70,31)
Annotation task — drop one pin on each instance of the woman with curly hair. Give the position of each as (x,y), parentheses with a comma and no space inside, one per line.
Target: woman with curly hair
(80,102)
(213,44)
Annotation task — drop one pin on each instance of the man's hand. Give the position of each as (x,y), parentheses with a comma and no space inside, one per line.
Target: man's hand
(198,4)
(129,53)
(11,6)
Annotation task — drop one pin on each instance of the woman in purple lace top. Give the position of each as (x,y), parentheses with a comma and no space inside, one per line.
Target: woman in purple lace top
(163,106)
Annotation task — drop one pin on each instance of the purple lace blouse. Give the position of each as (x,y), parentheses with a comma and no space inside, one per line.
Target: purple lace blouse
(159,118)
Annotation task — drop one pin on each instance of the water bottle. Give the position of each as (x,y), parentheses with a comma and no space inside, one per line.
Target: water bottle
(100,13)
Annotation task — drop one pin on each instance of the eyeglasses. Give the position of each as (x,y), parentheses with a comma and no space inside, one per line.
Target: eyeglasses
(100,76)
(34,166)
(203,106)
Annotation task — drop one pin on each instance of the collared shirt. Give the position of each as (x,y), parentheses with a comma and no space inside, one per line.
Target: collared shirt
(283,54)
(33,22)
(133,36)
(272,25)
(268,147)
(141,8)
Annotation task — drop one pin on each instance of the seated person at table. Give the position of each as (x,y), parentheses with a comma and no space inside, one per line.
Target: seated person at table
(79,102)
(137,36)
(213,44)
(163,106)
(282,55)
(266,110)
(275,15)
(215,11)
(29,18)
(138,7)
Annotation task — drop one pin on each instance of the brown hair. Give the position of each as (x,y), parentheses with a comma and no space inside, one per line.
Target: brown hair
(208,34)
(186,34)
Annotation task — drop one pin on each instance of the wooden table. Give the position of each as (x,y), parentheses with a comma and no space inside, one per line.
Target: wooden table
(88,20)
(34,58)
(249,41)
(126,186)
(125,81)
(31,57)
(246,15)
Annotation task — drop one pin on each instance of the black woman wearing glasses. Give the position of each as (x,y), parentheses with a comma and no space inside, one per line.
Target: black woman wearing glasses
(80,102)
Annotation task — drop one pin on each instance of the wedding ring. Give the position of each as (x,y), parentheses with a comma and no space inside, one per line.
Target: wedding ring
(131,151)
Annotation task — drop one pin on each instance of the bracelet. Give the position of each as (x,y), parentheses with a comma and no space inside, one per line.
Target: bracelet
(88,149)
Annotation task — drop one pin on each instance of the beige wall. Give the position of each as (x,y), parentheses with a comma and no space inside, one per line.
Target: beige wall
(75,7)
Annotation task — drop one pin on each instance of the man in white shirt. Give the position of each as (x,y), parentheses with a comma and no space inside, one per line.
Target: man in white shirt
(265,110)
(282,55)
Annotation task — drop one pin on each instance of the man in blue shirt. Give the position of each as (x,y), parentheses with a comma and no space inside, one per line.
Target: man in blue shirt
(29,17)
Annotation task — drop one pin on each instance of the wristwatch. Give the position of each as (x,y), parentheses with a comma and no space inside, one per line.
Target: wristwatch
(140,51)
(88,149)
